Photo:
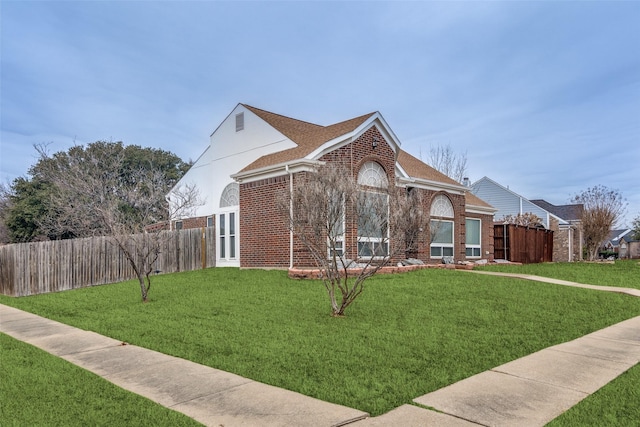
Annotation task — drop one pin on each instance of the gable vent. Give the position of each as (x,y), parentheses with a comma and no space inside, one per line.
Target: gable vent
(239,121)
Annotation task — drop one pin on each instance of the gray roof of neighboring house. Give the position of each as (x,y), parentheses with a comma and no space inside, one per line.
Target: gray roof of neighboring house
(615,235)
(566,212)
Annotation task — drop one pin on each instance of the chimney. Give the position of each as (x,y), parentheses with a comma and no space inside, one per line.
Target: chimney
(466,182)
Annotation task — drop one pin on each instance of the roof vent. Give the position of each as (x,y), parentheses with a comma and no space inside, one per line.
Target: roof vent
(239,122)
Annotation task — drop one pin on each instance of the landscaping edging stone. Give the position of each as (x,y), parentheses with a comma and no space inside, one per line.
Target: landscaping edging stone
(315,273)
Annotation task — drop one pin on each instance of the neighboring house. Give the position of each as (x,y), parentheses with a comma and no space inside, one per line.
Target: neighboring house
(622,243)
(254,156)
(563,220)
(568,235)
(629,247)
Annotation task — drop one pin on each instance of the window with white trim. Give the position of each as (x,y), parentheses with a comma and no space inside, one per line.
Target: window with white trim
(373,212)
(442,207)
(373,229)
(230,195)
(335,226)
(441,229)
(472,238)
(442,238)
(372,174)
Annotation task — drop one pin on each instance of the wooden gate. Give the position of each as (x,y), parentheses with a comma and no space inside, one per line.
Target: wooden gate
(516,243)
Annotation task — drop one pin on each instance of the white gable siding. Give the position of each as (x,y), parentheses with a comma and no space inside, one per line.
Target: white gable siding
(228,152)
(506,201)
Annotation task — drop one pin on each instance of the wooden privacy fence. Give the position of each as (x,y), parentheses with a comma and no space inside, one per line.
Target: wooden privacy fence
(42,267)
(516,243)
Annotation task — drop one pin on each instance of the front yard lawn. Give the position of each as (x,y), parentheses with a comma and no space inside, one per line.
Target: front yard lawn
(622,273)
(39,389)
(615,405)
(407,335)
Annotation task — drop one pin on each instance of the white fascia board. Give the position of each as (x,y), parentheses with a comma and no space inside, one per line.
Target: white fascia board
(276,170)
(329,146)
(386,129)
(345,139)
(432,185)
(400,172)
(481,210)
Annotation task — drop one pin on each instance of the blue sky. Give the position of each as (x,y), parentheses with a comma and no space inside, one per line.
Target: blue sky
(544,97)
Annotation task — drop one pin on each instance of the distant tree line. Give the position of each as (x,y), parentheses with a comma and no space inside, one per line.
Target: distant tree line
(103,189)
(31,207)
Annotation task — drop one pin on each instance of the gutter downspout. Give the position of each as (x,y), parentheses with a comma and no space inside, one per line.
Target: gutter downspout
(290,215)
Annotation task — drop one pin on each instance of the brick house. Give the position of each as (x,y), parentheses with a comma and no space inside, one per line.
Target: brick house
(255,155)
(622,243)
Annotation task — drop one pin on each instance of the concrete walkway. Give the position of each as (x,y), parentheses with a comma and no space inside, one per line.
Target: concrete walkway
(530,391)
(627,291)
(210,396)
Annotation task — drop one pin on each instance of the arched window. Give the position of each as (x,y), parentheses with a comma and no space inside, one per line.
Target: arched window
(441,206)
(371,174)
(230,195)
(441,230)
(373,212)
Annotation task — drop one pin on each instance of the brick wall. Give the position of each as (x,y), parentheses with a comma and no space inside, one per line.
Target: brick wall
(264,235)
(195,222)
(353,156)
(487,236)
(562,243)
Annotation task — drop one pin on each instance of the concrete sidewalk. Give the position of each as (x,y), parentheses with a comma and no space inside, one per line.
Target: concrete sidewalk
(529,391)
(208,395)
(628,291)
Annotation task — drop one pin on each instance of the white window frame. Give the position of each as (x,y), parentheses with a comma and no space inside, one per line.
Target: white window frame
(442,246)
(442,211)
(373,175)
(339,237)
(374,242)
(474,247)
(230,195)
(227,243)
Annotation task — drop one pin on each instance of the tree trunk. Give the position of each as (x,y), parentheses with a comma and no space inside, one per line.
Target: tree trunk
(144,291)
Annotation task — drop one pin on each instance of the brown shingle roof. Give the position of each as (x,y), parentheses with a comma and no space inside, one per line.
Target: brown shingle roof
(307,136)
(473,200)
(416,168)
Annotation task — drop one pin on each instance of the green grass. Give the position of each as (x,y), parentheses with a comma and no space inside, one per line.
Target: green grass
(624,273)
(39,389)
(407,335)
(616,404)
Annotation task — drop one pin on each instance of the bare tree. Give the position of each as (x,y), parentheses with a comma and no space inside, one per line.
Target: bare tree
(323,212)
(445,160)
(527,219)
(636,227)
(95,194)
(603,207)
